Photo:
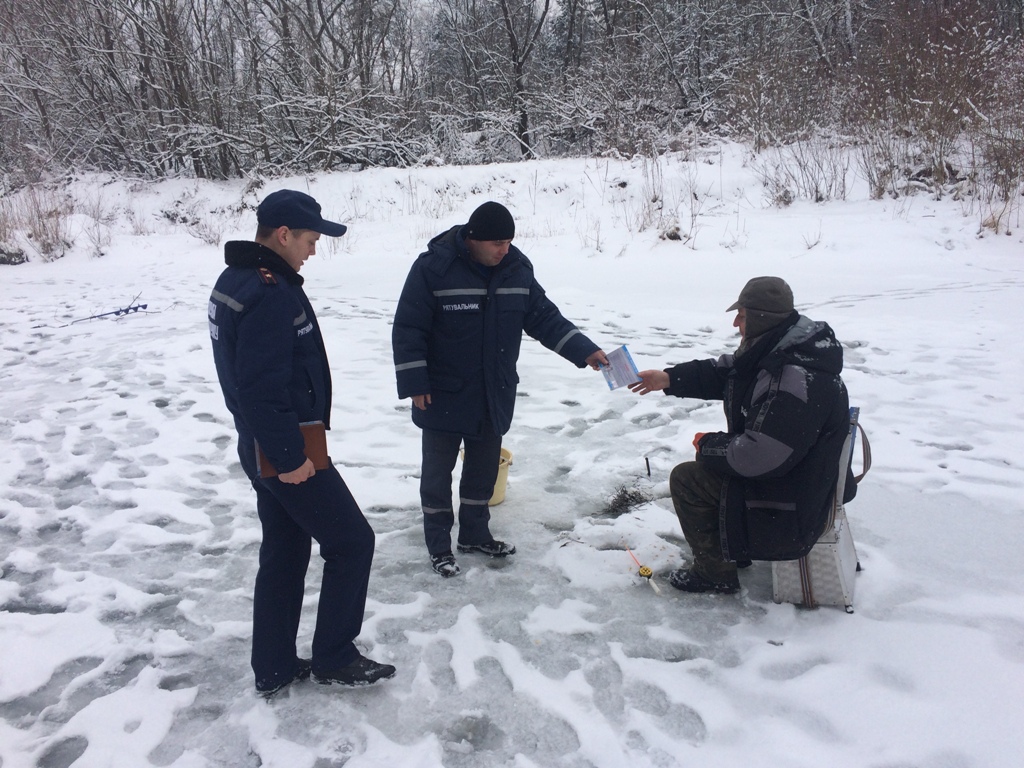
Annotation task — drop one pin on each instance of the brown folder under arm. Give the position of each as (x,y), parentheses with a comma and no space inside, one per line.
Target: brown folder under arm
(315,435)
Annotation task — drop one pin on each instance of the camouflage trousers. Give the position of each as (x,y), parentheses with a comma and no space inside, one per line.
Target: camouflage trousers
(696,492)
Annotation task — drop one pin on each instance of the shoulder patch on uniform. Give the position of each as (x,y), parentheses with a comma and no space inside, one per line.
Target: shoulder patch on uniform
(267,276)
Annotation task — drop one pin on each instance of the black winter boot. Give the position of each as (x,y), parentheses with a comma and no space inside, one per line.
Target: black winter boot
(688,580)
(362,671)
(494,548)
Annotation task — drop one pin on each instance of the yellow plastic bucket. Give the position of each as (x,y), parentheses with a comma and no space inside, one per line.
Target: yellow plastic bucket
(504,462)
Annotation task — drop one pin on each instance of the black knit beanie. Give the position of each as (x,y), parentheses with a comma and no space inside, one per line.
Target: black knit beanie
(491,221)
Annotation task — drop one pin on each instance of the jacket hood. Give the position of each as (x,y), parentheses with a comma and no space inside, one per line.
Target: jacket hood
(448,243)
(808,343)
(451,244)
(252,255)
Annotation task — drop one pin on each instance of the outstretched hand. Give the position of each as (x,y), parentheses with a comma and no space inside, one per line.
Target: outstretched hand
(597,359)
(650,381)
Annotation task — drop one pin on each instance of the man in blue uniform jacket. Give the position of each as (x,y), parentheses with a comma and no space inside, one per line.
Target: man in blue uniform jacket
(458,328)
(762,489)
(273,369)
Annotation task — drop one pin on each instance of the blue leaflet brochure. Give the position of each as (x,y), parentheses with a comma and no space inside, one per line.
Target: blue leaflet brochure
(621,370)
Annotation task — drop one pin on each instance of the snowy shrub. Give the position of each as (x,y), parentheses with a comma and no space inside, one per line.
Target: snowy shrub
(10,253)
(884,159)
(816,170)
(98,220)
(39,220)
(6,220)
(1000,137)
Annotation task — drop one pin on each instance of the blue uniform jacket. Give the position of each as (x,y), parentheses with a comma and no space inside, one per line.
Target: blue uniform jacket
(788,417)
(269,354)
(457,335)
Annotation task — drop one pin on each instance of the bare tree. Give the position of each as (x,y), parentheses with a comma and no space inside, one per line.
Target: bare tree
(219,88)
(523,25)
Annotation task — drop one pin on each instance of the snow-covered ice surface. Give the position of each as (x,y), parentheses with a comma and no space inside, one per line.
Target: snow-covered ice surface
(128,536)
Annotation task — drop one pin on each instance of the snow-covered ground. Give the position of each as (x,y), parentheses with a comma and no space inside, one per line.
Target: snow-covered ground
(128,536)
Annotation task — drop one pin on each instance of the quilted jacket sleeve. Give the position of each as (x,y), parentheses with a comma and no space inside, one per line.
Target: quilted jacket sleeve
(700,379)
(545,323)
(411,332)
(263,370)
(780,427)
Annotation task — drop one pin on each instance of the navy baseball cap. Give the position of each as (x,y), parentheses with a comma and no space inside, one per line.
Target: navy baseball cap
(295,210)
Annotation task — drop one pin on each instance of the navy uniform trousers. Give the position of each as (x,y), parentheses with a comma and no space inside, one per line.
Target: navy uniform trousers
(479,471)
(320,508)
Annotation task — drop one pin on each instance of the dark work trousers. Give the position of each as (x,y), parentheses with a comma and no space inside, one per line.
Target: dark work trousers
(320,508)
(696,492)
(479,471)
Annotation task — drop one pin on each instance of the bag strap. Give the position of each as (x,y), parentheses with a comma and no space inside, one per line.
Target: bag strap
(865,454)
(846,455)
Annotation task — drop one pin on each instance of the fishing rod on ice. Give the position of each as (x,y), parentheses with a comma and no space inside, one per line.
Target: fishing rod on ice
(132,308)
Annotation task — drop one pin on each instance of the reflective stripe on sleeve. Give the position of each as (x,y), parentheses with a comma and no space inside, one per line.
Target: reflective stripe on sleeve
(569,335)
(407,366)
(227,301)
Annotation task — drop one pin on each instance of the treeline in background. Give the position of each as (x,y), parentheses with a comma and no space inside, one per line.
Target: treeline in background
(228,88)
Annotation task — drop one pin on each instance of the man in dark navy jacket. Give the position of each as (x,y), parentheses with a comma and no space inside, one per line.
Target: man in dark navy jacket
(273,369)
(762,489)
(456,337)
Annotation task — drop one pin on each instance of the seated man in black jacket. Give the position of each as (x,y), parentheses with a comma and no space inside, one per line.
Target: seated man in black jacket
(762,489)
